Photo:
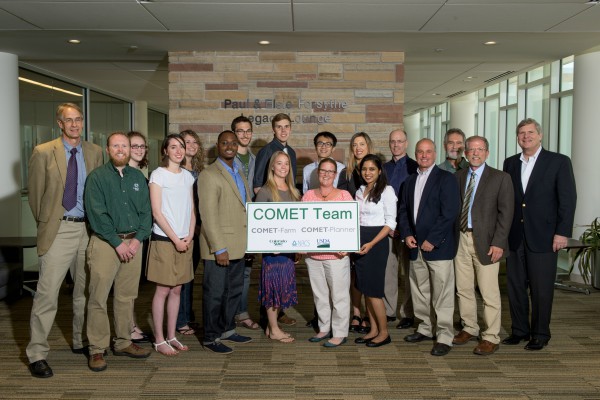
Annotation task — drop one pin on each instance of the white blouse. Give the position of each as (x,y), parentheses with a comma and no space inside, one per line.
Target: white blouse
(382,213)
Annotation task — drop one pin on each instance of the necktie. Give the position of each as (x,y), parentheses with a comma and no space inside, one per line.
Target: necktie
(70,194)
(464,214)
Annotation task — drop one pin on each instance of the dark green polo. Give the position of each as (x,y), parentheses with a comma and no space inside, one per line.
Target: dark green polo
(118,204)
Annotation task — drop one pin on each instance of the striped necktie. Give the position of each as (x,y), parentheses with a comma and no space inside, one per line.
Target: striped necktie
(464,214)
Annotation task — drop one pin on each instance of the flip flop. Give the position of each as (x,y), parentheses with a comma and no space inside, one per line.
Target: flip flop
(248,324)
(284,339)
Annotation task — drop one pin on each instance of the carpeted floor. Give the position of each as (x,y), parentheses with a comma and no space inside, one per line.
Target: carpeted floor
(569,368)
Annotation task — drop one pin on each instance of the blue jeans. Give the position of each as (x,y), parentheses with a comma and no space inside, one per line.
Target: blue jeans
(242,313)
(222,292)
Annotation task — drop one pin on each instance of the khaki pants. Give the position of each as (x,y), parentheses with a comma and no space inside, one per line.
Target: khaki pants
(432,285)
(468,269)
(66,253)
(330,283)
(106,269)
(397,257)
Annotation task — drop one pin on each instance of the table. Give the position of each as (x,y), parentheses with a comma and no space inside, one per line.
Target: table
(572,244)
(11,258)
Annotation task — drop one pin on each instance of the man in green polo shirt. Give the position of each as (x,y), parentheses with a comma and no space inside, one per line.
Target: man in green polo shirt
(117,203)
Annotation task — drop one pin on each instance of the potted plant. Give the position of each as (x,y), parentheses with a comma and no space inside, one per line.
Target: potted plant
(589,257)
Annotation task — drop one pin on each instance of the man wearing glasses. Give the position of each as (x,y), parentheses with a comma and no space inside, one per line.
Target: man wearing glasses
(57,175)
(487,205)
(324,145)
(245,160)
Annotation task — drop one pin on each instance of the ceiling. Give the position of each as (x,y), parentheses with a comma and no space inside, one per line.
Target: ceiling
(124,43)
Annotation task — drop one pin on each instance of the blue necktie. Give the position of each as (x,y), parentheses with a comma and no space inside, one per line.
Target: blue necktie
(70,196)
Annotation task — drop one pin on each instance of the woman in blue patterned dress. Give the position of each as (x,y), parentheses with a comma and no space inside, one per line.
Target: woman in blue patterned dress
(277,289)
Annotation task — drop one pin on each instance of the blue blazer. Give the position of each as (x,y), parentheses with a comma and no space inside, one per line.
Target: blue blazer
(436,218)
(547,208)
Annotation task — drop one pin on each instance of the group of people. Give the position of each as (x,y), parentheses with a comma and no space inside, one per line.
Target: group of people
(447,227)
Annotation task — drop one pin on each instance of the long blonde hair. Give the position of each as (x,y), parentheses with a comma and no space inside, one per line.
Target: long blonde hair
(289,179)
(352,164)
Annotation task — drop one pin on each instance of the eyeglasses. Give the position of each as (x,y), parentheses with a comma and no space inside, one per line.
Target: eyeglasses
(474,149)
(324,144)
(243,132)
(326,172)
(138,147)
(392,142)
(71,121)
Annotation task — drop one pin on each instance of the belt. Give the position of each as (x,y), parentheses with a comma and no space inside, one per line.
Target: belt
(129,235)
(73,219)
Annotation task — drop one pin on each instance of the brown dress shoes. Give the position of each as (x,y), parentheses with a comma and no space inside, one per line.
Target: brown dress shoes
(485,348)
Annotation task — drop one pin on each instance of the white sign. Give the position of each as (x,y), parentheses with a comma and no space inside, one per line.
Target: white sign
(324,226)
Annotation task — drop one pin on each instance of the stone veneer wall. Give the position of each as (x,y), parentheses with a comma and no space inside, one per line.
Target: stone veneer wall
(341,92)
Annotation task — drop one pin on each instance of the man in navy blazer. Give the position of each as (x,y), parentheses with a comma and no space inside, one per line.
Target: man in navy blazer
(400,167)
(545,199)
(429,206)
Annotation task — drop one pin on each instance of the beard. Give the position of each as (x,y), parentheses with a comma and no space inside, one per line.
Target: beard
(119,162)
(453,155)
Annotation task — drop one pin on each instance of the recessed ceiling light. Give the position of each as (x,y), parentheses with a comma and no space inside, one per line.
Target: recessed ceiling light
(438,50)
(489,43)
(74,41)
(435,94)
(264,42)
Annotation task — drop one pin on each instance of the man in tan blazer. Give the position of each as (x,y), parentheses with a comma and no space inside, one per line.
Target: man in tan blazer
(222,196)
(484,223)
(62,236)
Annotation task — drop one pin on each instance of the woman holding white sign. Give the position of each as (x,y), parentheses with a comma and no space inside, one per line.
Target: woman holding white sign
(377,214)
(277,288)
(351,180)
(329,273)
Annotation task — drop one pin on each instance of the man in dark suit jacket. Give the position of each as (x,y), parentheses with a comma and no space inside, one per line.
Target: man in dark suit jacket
(400,167)
(428,209)
(545,198)
(486,214)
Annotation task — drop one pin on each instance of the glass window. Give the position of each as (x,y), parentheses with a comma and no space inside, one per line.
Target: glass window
(535,74)
(157,131)
(565,134)
(513,85)
(491,90)
(491,129)
(511,136)
(107,114)
(566,73)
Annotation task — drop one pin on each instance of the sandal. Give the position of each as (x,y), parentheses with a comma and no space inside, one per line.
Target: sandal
(186,330)
(284,339)
(355,328)
(248,324)
(364,329)
(166,353)
(178,345)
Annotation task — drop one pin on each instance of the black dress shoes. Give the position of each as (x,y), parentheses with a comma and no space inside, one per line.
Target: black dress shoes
(40,369)
(405,323)
(440,349)
(390,319)
(361,340)
(536,344)
(416,337)
(385,341)
(515,339)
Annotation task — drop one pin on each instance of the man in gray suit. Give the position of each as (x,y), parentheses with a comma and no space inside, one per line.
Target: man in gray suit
(486,215)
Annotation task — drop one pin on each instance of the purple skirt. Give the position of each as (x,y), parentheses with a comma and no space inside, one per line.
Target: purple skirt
(277,287)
